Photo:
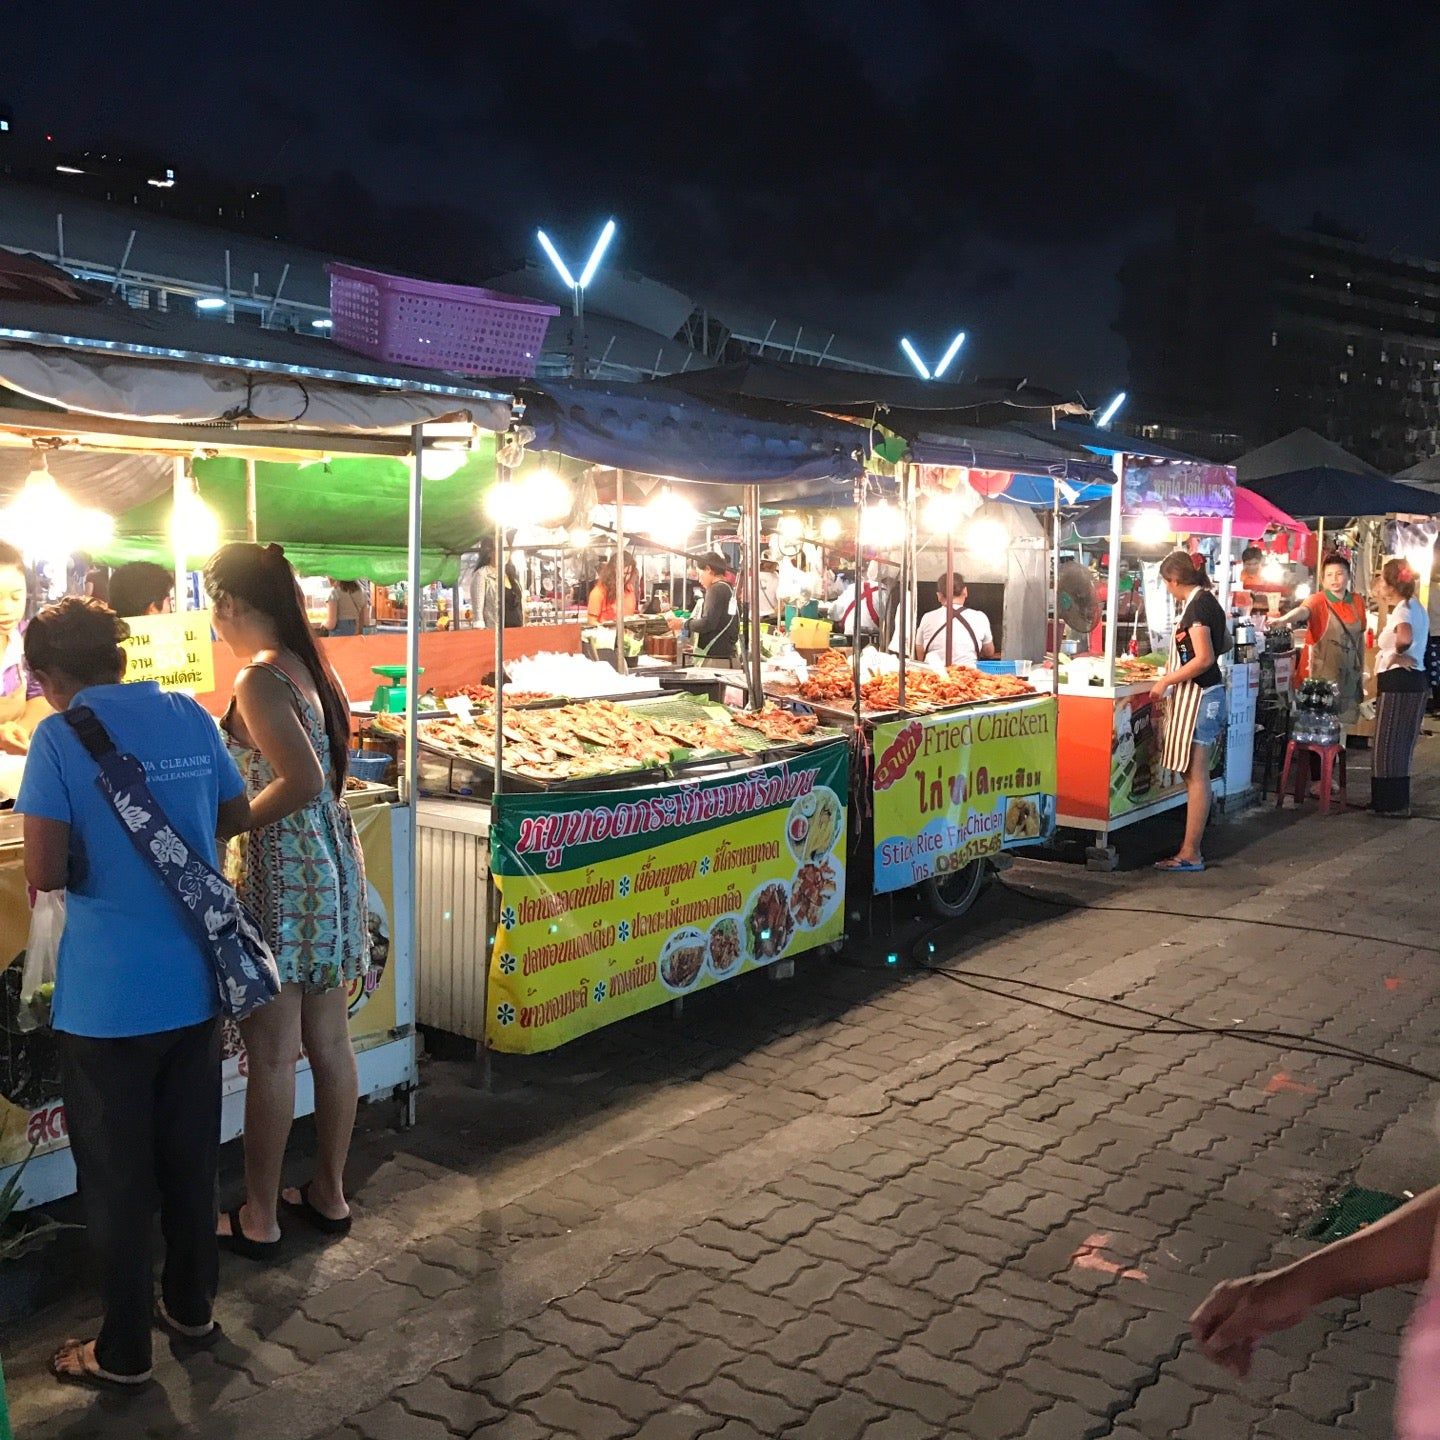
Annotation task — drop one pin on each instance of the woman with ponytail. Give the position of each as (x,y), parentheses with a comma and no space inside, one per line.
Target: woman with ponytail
(300,870)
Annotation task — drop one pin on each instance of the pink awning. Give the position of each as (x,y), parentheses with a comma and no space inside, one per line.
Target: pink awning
(1254,515)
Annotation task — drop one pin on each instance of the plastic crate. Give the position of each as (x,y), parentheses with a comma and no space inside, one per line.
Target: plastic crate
(998,667)
(441,327)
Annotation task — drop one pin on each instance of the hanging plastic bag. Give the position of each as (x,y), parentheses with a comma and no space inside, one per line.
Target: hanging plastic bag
(37,979)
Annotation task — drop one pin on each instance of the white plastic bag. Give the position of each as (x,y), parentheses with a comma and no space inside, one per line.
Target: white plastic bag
(37,979)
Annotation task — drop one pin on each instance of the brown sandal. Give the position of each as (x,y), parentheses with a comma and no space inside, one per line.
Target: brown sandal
(74,1363)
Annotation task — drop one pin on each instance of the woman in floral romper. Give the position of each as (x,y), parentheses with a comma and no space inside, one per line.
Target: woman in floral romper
(300,870)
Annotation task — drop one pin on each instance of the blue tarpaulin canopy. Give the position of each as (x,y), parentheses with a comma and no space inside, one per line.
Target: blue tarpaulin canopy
(658,430)
(1037,467)
(1328,491)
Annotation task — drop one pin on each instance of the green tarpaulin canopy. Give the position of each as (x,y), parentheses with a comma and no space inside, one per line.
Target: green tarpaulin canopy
(347,517)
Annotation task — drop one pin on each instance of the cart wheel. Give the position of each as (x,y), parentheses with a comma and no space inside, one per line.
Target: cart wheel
(955,894)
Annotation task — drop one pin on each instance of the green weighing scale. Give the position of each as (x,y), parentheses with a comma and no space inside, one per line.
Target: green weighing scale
(390,693)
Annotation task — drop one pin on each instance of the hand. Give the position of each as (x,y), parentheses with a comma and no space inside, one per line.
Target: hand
(1237,1313)
(14,739)
(1158,689)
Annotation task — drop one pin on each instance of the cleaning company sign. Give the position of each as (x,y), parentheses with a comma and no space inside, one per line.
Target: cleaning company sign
(950,789)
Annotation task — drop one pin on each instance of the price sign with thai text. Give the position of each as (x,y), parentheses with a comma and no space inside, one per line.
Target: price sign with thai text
(176,650)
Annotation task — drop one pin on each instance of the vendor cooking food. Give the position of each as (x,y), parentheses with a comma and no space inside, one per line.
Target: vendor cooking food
(22,706)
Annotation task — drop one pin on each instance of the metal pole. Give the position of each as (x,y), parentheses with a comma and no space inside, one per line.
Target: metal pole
(1055,627)
(948,599)
(859,556)
(752,600)
(179,496)
(60,239)
(275,299)
(252,513)
(908,519)
(620,662)
(1112,580)
(412,645)
(124,262)
(499,652)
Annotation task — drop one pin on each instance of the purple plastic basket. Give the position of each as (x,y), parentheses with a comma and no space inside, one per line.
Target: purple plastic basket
(441,327)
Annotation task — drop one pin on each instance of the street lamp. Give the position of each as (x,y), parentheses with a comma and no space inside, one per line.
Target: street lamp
(921,368)
(578,287)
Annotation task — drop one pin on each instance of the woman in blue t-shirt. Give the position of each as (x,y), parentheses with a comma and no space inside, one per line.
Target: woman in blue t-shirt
(135,1005)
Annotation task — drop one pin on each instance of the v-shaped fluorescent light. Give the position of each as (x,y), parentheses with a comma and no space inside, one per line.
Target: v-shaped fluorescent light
(923,370)
(597,254)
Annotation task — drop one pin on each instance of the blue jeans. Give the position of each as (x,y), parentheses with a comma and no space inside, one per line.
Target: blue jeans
(1210,722)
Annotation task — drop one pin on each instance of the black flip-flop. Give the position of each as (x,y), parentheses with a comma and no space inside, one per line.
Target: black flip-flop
(239,1243)
(302,1209)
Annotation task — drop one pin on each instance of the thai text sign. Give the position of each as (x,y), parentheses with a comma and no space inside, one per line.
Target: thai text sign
(612,902)
(1177,487)
(176,650)
(950,789)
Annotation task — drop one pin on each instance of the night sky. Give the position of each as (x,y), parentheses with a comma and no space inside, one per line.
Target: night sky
(883,168)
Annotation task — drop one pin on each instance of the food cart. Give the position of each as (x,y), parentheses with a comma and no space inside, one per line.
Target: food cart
(582,860)
(1109,771)
(127,403)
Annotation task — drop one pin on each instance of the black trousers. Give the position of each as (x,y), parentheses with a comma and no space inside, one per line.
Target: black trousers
(144,1121)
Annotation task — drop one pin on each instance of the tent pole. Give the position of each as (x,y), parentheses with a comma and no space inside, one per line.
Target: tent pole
(948,600)
(860,486)
(178,497)
(252,513)
(1055,627)
(1112,579)
(906,573)
(412,639)
(620,663)
(752,600)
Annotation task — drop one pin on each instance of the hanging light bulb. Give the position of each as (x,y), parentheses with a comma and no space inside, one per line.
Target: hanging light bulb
(670,517)
(547,497)
(884,525)
(43,521)
(442,464)
(790,527)
(1272,570)
(1150,527)
(987,537)
(579,537)
(194,526)
(942,513)
(830,528)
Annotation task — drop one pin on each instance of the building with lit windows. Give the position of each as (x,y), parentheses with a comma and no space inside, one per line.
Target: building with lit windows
(1239,333)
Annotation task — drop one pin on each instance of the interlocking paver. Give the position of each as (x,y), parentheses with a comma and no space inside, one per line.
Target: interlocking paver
(391,1421)
(562,1412)
(460,1410)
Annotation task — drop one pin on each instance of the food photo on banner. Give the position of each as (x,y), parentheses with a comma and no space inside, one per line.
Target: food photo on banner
(950,789)
(614,902)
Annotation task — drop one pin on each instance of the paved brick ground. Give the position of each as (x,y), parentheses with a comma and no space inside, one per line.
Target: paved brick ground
(870,1203)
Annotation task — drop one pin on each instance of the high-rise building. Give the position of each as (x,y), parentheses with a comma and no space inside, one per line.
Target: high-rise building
(1238,329)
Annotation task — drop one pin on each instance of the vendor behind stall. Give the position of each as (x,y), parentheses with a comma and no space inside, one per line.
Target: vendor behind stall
(715,626)
(22,707)
(1335,635)
(601,606)
(971,638)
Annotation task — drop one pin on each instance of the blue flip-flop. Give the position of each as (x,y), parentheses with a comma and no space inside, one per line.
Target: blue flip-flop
(1181,867)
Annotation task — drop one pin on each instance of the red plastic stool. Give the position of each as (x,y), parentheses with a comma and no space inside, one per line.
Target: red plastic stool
(1328,754)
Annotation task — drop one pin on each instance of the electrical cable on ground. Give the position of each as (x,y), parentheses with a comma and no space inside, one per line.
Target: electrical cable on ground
(1159,1023)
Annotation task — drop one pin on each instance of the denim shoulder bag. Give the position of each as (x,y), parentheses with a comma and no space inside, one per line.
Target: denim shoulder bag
(246,976)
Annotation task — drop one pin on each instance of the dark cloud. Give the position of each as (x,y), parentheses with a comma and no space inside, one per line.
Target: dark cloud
(891,164)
